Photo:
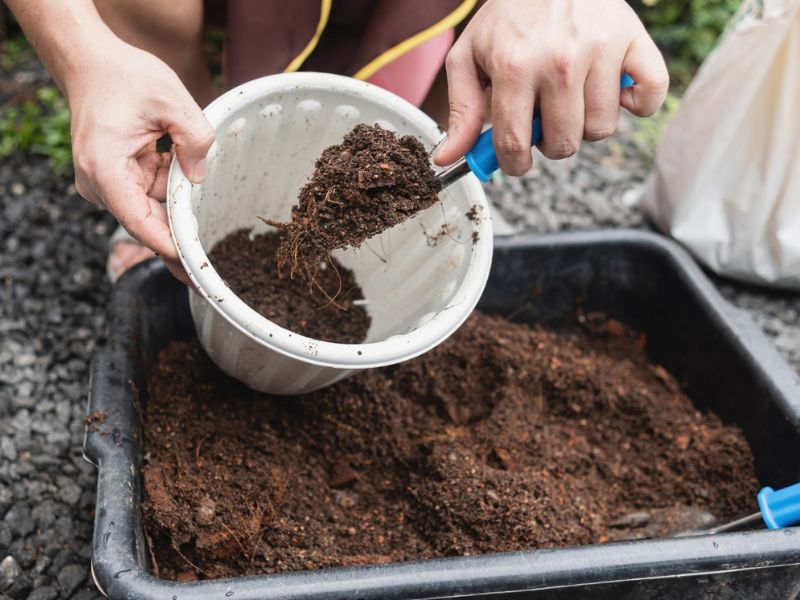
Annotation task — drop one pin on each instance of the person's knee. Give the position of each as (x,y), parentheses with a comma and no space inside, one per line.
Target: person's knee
(154,23)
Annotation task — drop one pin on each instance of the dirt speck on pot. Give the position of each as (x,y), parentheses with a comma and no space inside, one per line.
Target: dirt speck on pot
(93,419)
(434,239)
(505,437)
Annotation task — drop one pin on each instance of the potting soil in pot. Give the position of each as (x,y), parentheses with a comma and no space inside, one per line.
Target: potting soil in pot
(373,180)
(324,311)
(505,437)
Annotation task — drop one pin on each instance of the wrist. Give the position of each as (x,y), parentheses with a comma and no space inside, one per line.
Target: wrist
(84,59)
(88,41)
(67,36)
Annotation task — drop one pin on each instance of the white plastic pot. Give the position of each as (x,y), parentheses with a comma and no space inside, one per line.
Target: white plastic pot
(269,133)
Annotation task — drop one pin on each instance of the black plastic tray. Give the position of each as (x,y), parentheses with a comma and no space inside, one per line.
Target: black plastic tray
(641,279)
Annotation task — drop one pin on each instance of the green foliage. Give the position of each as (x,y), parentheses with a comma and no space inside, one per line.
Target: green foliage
(14,51)
(37,120)
(14,48)
(685,30)
(39,125)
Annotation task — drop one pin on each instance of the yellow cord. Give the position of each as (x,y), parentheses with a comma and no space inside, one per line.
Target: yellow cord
(450,21)
(324,14)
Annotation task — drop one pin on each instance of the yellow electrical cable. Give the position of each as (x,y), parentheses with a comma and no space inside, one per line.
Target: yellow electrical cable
(324,14)
(451,20)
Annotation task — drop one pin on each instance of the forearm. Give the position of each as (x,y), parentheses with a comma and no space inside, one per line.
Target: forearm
(63,33)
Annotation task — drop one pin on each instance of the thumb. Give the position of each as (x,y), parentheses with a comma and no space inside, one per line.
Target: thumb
(192,135)
(465,92)
(646,65)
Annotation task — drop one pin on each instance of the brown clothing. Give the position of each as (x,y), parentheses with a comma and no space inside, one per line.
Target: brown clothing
(336,36)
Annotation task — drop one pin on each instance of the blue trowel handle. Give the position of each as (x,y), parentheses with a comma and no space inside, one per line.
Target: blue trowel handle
(483,161)
(780,508)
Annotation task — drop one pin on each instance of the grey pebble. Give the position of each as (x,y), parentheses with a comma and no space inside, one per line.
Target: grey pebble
(42,424)
(9,572)
(21,422)
(35,489)
(6,498)
(24,468)
(63,411)
(70,578)
(5,536)
(25,553)
(43,593)
(24,360)
(88,595)
(24,399)
(41,564)
(46,514)
(82,277)
(87,499)
(69,491)
(21,587)
(58,437)
(7,448)
(62,558)
(19,519)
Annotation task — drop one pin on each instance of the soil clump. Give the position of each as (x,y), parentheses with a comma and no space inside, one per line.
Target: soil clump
(370,182)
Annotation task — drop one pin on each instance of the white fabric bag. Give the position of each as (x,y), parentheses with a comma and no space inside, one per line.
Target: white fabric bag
(726,180)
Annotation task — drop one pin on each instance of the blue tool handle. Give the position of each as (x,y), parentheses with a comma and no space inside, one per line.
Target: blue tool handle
(483,161)
(780,508)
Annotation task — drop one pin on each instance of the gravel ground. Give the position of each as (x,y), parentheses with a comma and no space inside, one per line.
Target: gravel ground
(52,301)
(52,317)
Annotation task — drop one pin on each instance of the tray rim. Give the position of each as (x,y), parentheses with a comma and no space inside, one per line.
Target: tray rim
(117,556)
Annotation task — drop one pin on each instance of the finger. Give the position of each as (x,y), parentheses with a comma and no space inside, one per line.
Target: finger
(562,110)
(512,114)
(155,167)
(176,268)
(86,190)
(465,93)
(159,188)
(645,64)
(193,135)
(601,100)
(141,216)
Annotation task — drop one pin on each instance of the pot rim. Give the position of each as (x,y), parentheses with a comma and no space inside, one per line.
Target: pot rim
(212,288)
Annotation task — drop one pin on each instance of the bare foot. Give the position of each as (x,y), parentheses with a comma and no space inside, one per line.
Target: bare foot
(124,255)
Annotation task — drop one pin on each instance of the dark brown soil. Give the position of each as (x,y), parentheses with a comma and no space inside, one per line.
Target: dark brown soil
(373,180)
(503,438)
(324,311)
(93,419)
(97,416)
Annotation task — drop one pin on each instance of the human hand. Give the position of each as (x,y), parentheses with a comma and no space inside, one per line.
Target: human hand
(122,101)
(564,56)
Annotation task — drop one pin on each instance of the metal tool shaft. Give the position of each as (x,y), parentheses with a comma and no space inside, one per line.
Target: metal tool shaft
(453,173)
(737,524)
(747,522)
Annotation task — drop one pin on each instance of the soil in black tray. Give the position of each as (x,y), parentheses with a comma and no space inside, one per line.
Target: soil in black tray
(373,180)
(324,311)
(505,437)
